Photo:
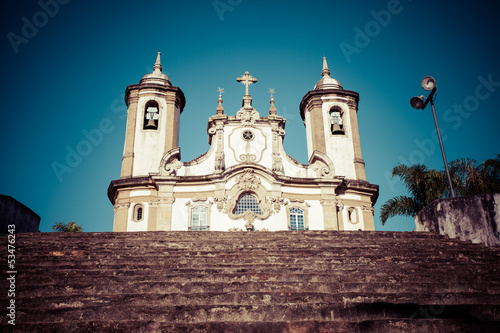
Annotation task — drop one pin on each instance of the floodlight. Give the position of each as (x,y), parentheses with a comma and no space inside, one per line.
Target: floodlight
(428,83)
(417,102)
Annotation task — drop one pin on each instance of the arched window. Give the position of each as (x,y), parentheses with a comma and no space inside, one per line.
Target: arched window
(246,202)
(138,213)
(151,115)
(199,218)
(297,219)
(336,120)
(352,215)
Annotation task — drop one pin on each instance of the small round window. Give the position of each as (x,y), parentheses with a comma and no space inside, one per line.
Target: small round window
(247,135)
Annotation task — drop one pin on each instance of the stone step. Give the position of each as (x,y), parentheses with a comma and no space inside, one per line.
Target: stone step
(250,244)
(53,301)
(127,285)
(144,310)
(181,281)
(428,325)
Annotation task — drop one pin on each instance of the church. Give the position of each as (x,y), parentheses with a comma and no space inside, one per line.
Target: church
(245,181)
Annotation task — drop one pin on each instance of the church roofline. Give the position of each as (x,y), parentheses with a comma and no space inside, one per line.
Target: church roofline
(314,93)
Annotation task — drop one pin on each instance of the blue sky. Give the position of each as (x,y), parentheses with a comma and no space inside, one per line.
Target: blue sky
(65,69)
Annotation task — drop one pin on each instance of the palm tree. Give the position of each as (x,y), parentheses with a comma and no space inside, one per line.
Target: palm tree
(67,227)
(471,178)
(424,185)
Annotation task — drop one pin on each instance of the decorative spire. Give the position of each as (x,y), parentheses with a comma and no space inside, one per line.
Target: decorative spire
(220,109)
(247,80)
(157,67)
(325,71)
(272,110)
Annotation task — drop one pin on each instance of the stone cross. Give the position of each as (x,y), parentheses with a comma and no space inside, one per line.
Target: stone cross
(246,80)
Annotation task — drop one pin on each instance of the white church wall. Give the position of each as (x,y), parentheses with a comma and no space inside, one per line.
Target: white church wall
(194,189)
(205,167)
(315,215)
(339,148)
(307,122)
(300,190)
(149,144)
(180,215)
(292,170)
(355,224)
(238,150)
(141,225)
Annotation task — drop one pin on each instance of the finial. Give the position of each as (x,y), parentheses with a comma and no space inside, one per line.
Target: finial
(157,67)
(247,80)
(272,110)
(220,109)
(325,70)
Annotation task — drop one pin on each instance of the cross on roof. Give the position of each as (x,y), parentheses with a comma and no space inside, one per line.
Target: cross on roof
(246,80)
(220,90)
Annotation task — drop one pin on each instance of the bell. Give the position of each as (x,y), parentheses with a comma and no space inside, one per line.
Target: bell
(151,124)
(336,129)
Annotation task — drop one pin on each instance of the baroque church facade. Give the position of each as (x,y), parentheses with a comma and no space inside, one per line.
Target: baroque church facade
(246,180)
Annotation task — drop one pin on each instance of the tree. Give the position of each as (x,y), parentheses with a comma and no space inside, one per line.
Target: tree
(67,227)
(426,185)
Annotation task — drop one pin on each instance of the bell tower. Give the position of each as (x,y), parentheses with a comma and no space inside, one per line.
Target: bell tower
(154,108)
(329,113)
(152,130)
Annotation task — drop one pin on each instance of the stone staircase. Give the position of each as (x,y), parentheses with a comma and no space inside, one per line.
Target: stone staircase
(313,281)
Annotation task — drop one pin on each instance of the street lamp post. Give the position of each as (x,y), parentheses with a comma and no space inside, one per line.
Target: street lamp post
(428,83)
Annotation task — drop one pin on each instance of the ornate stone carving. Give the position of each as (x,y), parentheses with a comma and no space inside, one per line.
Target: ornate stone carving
(247,158)
(220,201)
(121,205)
(277,202)
(248,181)
(219,161)
(323,166)
(166,200)
(277,164)
(247,116)
(367,208)
(171,169)
(170,162)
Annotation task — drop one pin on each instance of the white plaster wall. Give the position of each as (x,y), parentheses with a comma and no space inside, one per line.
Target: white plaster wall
(206,167)
(141,225)
(149,145)
(292,170)
(308,134)
(141,193)
(339,148)
(180,215)
(315,217)
(296,190)
(195,189)
(260,146)
(350,196)
(352,226)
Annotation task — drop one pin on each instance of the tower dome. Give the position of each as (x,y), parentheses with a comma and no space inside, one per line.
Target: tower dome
(327,82)
(157,76)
